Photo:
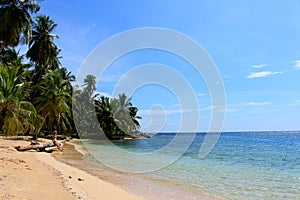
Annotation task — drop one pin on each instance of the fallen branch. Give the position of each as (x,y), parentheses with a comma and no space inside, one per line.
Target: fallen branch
(42,147)
(39,147)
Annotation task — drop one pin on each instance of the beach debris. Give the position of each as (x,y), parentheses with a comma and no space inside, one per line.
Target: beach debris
(42,147)
(39,147)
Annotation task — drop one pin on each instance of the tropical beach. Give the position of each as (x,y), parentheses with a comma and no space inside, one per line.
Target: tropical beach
(23,173)
(151,100)
(253,169)
(29,175)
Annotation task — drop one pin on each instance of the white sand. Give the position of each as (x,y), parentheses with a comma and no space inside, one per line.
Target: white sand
(37,175)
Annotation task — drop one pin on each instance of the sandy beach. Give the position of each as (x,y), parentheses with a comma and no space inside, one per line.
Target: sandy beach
(37,175)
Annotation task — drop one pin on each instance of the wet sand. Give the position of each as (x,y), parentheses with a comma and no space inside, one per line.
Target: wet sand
(134,184)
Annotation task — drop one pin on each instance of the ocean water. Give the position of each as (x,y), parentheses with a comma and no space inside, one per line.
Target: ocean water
(242,165)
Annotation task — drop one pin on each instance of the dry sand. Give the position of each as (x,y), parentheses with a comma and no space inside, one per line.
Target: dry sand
(37,175)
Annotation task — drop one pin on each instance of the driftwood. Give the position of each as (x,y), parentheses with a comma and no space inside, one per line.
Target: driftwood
(42,147)
(39,147)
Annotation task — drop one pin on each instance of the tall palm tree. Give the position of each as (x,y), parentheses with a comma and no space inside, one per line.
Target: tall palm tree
(16,114)
(53,102)
(15,20)
(83,106)
(42,51)
(90,84)
(125,115)
(105,117)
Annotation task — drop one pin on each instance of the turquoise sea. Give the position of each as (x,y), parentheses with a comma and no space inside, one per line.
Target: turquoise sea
(242,165)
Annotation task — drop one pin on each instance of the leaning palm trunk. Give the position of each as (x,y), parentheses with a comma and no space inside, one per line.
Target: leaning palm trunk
(39,127)
(42,147)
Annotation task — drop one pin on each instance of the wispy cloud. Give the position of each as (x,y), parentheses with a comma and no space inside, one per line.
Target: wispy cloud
(228,110)
(218,109)
(296,104)
(211,107)
(88,29)
(258,66)
(296,64)
(262,74)
(165,112)
(226,76)
(256,103)
(110,78)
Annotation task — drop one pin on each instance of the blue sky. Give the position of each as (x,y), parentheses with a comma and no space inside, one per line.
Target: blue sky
(255,45)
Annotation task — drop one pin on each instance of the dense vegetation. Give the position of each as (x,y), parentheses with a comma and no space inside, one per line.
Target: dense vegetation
(36,97)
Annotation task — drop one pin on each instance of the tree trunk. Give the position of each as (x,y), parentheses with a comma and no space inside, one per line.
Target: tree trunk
(40,147)
(40,128)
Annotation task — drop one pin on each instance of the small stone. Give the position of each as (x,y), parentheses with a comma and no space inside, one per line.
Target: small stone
(80,179)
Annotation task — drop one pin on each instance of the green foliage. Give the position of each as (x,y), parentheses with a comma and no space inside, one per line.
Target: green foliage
(15,20)
(17,114)
(42,50)
(116,117)
(36,97)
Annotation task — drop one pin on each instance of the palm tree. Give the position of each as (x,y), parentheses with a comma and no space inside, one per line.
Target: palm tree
(105,117)
(42,50)
(53,102)
(16,114)
(84,106)
(125,115)
(134,117)
(15,20)
(90,85)
(7,56)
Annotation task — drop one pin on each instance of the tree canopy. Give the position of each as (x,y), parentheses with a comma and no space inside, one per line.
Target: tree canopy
(36,97)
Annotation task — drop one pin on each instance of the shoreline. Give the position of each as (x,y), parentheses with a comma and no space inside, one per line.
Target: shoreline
(138,185)
(38,175)
(78,180)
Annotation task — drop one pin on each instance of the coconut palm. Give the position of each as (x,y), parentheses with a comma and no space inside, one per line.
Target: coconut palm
(84,107)
(89,84)
(105,117)
(15,20)
(16,114)
(125,115)
(134,117)
(53,102)
(42,51)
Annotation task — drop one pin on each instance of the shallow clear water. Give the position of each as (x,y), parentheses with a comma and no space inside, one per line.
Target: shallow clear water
(253,165)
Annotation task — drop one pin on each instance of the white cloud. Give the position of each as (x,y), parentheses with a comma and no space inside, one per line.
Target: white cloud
(200,94)
(256,103)
(297,103)
(110,78)
(258,66)
(210,108)
(88,29)
(261,74)
(226,76)
(228,110)
(296,64)
(164,112)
